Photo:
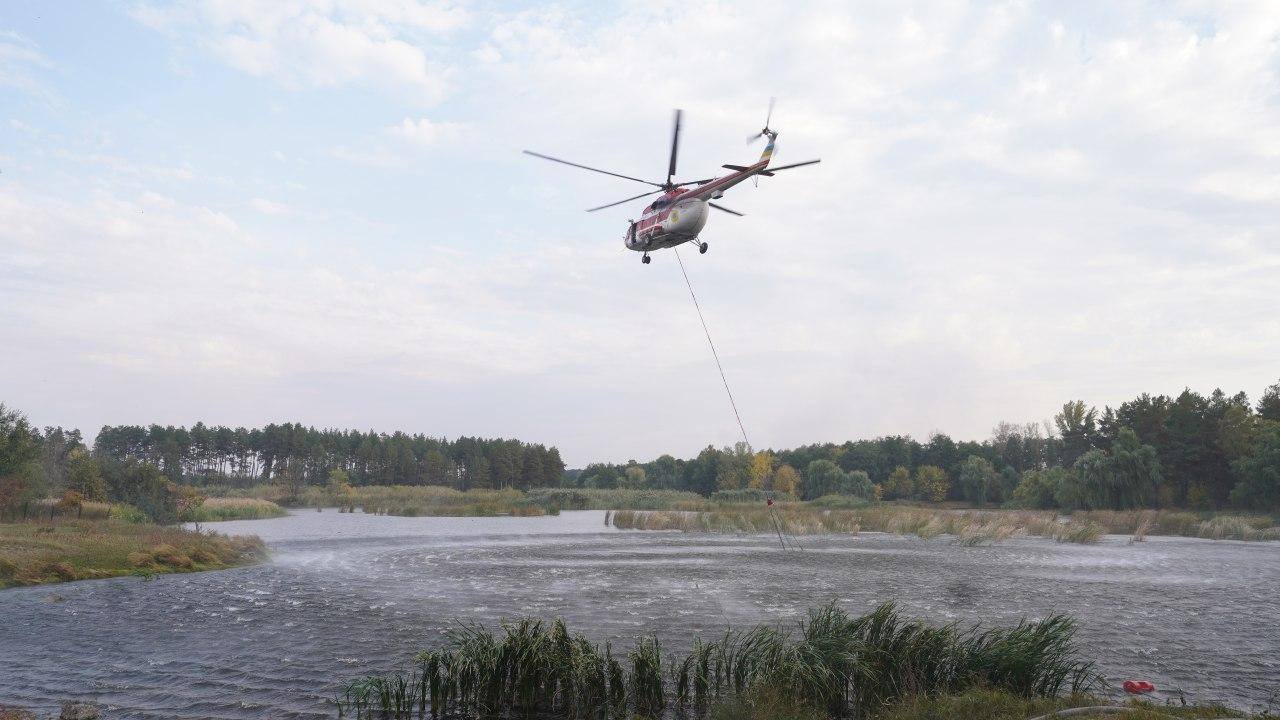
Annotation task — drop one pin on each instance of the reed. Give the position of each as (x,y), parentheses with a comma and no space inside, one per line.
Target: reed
(986,533)
(1081,532)
(832,665)
(1144,526)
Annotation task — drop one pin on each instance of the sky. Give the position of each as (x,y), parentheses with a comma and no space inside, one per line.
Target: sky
(253,211)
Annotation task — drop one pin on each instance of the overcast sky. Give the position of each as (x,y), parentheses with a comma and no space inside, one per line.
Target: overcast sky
(254,211)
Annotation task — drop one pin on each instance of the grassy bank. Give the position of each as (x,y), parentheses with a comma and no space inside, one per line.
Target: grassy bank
(215,509)
(33,553)
(832,665)
(620,499)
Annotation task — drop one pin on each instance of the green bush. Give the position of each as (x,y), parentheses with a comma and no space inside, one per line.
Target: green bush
(739,497)
(128,513)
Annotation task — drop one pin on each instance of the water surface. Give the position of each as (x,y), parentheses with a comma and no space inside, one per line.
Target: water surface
(348,594)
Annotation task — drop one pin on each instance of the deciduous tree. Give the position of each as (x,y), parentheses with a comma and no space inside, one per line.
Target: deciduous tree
(1258,486)
(932,483)
(978,480)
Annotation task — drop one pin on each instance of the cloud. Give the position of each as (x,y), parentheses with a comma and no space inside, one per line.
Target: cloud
(267,207)
(20,62)
(319,43)
(1242,185)
(425,133)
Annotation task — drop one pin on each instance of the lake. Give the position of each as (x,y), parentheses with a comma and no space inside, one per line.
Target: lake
(349,594)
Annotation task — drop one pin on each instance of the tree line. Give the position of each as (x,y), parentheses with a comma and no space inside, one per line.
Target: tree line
(1190,450)
(205,455)
(158,468)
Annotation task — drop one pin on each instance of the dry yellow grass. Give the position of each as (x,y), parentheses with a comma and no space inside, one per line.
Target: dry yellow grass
(792,519)
(967,527)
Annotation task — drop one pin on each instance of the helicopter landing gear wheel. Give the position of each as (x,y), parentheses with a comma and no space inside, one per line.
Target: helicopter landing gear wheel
(646,259)
(702,249)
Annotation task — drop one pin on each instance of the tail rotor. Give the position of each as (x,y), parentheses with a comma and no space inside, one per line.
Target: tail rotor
(765,131)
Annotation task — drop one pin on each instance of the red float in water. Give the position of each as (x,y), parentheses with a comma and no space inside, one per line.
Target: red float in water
(1138,687)
(768,501)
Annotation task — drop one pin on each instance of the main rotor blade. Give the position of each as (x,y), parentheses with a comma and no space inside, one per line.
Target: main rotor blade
(794,165)
(694,182)
(637,197)
(584,167)
(721,208)
(675,146)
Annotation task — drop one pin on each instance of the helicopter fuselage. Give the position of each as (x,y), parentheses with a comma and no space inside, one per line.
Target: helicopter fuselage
(667,225)
(680,214)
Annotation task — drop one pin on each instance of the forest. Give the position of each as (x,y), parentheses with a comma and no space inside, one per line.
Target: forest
(1189,451)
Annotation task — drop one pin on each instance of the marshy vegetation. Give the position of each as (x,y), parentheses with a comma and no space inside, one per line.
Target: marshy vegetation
(32,553)
(967,527)
(832,665)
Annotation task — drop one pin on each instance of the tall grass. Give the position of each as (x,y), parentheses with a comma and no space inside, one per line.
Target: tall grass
(619,499)
(833,663)
(215,509)
(1081,532)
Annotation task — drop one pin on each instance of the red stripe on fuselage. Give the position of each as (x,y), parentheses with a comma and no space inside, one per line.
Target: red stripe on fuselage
(703,191)
(727,181)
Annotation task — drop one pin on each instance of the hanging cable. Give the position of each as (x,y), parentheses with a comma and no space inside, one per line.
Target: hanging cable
(714,354)
(773,515)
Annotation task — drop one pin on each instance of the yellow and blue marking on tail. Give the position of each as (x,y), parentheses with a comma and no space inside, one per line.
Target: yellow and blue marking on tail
(768,149)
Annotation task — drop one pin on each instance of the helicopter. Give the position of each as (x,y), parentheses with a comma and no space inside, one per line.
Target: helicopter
(680,213)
